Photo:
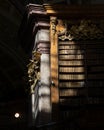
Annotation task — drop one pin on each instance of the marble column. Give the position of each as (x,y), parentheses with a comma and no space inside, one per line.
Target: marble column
(43,46)
(37,38)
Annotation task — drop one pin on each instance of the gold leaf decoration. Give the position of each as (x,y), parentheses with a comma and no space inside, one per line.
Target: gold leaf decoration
(86,29)
(34,69)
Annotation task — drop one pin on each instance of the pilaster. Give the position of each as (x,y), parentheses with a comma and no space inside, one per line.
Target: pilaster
(41,44)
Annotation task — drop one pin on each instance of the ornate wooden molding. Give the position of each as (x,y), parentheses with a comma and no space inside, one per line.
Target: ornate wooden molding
(53,23)
(54,67)
(75,11)
(34,70)
(35,9)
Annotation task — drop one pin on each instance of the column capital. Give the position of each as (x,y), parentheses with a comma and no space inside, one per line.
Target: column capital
(38,15)
(35,18)
(35,9)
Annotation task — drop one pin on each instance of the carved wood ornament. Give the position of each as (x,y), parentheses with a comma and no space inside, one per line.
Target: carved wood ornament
(54,59)
(34,70)
(80,30)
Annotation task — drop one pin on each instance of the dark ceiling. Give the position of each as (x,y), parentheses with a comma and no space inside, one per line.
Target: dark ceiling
(13,58)
(13,61)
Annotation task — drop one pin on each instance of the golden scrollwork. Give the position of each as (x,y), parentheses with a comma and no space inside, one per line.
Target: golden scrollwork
(85,29)
(34,70)
(61,27)
(53,22)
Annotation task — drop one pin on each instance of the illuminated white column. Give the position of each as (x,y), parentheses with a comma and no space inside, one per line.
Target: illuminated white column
(43,46)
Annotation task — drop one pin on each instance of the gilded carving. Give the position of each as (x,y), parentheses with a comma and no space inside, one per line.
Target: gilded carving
(34,70)
(61,27)
(85,29)
(53,21)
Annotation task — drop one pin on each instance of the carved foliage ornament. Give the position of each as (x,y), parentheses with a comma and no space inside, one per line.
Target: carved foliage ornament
(85,29)
(34,70)
(53,23)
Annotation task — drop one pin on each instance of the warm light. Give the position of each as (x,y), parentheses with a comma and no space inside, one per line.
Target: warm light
(17,115)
